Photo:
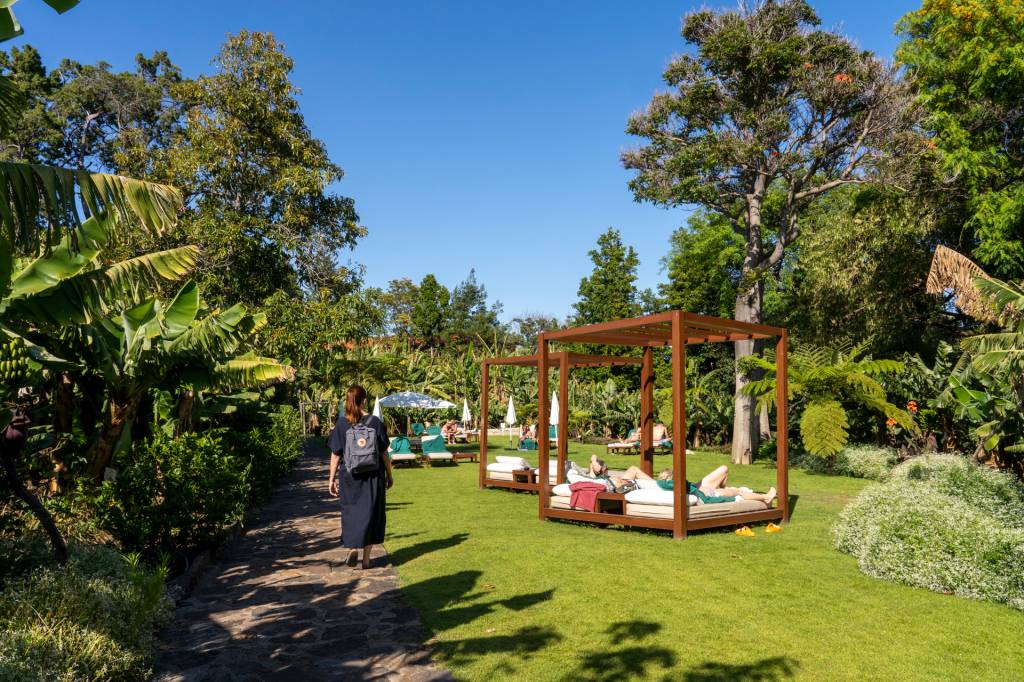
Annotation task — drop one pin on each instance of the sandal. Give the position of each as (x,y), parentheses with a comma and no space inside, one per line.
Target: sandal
(353,558)
(744,532)
(772,528)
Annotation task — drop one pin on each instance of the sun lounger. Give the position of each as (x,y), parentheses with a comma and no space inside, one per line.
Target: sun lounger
(417,429)
(401,452)
(433,430)
(631,443)
(434,450)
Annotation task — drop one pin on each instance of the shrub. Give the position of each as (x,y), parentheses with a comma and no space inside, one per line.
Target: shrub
(988,490)
(921,529)
(860,461)
(92,620)
(172,494)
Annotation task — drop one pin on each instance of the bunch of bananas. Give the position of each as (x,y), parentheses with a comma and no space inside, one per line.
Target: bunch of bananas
(14,366)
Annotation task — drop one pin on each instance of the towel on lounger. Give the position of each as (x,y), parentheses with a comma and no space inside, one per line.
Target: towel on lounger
(584,495)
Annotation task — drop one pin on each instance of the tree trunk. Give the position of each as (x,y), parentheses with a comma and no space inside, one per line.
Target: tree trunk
(765,424)
(746,424)
(60,549)
(118,417)
(63,422)
(186,402)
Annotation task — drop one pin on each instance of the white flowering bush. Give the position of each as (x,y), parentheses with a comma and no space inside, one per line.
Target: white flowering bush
(860,461)
(937,524)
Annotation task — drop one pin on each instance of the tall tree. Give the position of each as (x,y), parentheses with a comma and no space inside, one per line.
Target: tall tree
(398,302)
(430,314)
(764,101)
(469,314)
(964,59)
(609,293)
(703,266)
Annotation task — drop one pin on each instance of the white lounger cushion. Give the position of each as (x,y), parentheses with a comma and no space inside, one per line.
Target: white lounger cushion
(403,457)
(518,461)
(506,467)
(562,490)
(499,475)
(655,496)
(696,511)
(439,455)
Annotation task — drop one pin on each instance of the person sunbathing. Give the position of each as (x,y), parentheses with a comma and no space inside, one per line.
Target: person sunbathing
(660,434)
(712,488)
(631,439)
(449,430)
(597,471)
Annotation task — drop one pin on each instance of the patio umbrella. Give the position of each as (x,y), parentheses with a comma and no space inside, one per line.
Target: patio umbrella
(467,416)
(553,417)
(376,408)
(510,418)
(411,400)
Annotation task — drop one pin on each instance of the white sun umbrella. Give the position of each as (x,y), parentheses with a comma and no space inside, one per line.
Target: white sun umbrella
(376,408)
(467,416)
(553,417)
(510,418)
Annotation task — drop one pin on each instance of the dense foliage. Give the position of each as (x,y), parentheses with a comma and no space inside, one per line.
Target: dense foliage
(944,524)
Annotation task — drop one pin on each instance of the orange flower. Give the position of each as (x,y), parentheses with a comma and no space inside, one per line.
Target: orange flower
(843,78)
(808,65)
(912,406)
(890,422)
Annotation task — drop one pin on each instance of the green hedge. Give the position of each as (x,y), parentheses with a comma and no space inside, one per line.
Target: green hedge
(941,523)
(93,620)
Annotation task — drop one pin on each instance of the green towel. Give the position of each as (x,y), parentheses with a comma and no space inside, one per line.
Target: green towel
(400,446)
(434,446)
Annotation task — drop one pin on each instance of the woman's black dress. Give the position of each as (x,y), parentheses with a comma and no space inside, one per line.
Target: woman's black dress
(362,495)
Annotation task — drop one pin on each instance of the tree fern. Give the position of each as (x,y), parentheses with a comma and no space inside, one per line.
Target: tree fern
(823,427)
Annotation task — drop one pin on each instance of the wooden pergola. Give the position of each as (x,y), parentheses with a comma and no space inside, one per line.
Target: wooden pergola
(563,360)
(675,330)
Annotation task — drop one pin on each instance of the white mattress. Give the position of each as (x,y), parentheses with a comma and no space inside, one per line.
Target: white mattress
(439,456)
(696,511)
(562,490)
(404,457)
(559,502)
(506,467)
(656,496)
(499,475)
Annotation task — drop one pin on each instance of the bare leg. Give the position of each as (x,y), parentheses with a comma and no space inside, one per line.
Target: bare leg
(634,473)
(733,492)
(366,556)
(716,479)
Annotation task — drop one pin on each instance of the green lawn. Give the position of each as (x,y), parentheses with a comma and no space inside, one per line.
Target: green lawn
(505,595)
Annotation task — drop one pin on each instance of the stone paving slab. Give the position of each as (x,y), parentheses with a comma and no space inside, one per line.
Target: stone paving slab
(284,606)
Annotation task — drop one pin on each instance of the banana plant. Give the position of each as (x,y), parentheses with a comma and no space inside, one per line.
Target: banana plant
(168,344)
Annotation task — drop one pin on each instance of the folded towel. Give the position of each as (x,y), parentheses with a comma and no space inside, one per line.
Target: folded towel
(584,495)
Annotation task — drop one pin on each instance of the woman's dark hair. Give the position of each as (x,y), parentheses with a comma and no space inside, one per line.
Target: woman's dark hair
(354,400)
(602,467)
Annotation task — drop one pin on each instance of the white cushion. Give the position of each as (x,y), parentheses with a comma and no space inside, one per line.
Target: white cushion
(577,478)
(656,496)
(645,484)
(402,457)
(506,467)
(562,490)
(506,459)
(439,455)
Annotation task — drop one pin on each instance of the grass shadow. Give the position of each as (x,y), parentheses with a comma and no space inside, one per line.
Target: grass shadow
(793,499)
(765,670)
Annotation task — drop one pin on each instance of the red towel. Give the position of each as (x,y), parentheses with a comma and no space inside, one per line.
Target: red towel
(584,495)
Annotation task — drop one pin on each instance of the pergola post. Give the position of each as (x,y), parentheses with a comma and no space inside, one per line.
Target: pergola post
(782,423)
(647,412)
(485,385)
(678,427)
(563,419)
(543,418)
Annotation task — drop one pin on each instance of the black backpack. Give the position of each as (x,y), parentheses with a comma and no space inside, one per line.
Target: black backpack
(361,449)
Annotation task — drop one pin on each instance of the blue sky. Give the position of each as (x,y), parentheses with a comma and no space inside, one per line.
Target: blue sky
(473,134)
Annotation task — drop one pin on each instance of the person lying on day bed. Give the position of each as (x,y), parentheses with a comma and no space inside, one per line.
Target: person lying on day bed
(712,488)
(597,471)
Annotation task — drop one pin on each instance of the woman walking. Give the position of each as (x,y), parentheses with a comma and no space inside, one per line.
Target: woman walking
(359,445)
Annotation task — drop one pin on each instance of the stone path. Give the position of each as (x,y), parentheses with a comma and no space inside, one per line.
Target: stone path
(283,605)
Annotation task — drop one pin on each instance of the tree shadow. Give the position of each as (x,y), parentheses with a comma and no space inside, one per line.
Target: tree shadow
(765,670)
(406,554)
(618,662)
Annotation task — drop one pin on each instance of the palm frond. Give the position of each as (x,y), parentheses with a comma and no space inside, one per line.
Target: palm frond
(12,103)
(955,272)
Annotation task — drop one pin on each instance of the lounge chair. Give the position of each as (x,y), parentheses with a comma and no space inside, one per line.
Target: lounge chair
(433,430)
(553,434)
(527,444)
(631,443)
(417,429)
(400,451)
(435,451)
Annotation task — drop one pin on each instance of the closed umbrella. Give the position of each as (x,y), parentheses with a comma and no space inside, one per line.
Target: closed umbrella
(376,408)
(553,417)
(510,418)
(467,416)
